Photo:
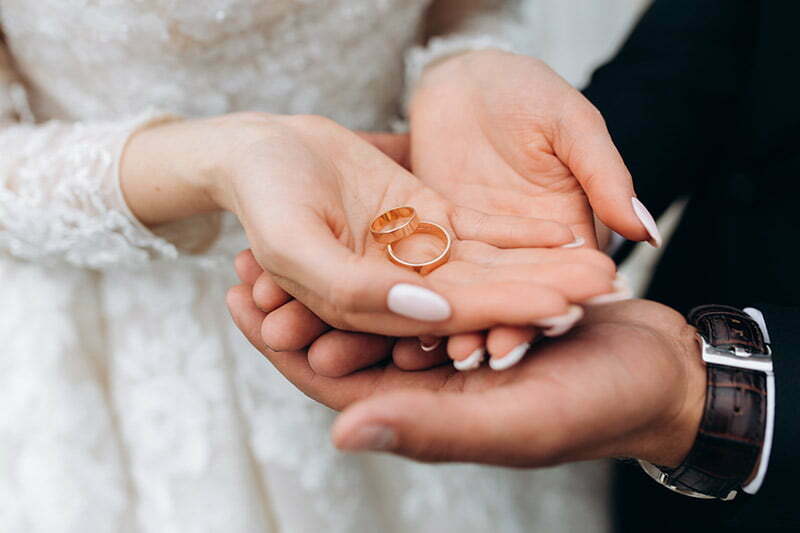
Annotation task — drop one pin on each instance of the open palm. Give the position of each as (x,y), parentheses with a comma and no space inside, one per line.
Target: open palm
(503,133)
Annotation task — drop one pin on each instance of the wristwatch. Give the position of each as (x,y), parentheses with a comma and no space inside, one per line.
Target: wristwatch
(729,451)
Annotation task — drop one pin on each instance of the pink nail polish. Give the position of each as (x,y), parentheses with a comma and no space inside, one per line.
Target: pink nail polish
(472,361)
(558,325)
(647,221)
(511,358)
(622,291)
(577,243)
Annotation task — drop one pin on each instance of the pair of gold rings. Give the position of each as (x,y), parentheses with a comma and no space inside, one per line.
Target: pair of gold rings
(386,229)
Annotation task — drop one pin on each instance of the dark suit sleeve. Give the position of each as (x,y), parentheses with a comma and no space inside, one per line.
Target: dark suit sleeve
(776,501)
(669,96)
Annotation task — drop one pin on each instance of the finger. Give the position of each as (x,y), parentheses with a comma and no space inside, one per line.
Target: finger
(509,231)
(291,327)
(267,294)
(511,303)
(409,355)
(508,345)
(339,353)
(336,393)
(431,426)
(396,146)
(247,268)
(467,350)
(483,254)
(245,314)
(577,282)
(584,144)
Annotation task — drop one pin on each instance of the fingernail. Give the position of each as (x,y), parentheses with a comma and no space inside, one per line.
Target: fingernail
(622,291)
(472,361)
(416,302)
(511,358)
(647,221)
(577,243)
(430,347)
(558,325)
(371,438)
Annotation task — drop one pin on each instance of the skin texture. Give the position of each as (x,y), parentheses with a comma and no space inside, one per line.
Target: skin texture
(504,134)
(307,180)
(627,381)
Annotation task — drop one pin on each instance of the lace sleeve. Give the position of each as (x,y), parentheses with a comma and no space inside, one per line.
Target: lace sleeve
(60,199)
(455,26)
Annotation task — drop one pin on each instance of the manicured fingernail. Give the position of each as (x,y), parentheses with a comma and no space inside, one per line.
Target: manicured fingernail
(511,358)
(647,221)
(472,361)
(577,243)
(558,325)
(370,438)
(622,291)
(430,347)
(417,302)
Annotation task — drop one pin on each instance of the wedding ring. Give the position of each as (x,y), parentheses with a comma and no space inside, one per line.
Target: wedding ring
(427,266)
(385,230)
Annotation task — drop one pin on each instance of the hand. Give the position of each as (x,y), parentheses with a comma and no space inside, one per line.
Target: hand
(503,133)
(306,190)
(290,326)
(627,381)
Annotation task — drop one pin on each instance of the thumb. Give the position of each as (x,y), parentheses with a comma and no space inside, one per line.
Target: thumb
(485,427)
(395,145)
(584,144)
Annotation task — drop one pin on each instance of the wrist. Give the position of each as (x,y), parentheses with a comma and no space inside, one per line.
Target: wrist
(165,172)
(453,71)
(673,434)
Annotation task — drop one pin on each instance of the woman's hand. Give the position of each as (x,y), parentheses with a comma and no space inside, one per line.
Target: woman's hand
(586,395)
(289,325)
(306,190)
(503,133)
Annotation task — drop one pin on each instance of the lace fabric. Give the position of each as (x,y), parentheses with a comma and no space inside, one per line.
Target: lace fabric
(130,401)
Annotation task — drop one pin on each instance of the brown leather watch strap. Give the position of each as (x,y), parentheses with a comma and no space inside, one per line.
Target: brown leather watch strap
(726,327)
(731,434)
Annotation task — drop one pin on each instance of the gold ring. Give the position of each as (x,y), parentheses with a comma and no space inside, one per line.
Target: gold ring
(427,266)
(385,231)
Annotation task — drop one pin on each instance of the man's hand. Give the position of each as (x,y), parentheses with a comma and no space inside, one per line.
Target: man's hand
(627,381)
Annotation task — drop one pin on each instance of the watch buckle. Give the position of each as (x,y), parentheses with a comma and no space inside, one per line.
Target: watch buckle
(737,357)
(662,478)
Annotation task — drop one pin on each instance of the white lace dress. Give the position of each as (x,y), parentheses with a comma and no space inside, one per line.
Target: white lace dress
(128,400)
